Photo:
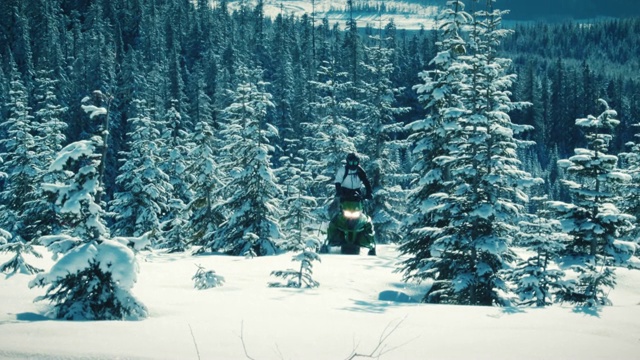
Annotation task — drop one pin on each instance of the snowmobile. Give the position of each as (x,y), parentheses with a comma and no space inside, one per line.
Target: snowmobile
(350,230)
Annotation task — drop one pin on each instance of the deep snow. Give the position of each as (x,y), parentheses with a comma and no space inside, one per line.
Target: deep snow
(360,301)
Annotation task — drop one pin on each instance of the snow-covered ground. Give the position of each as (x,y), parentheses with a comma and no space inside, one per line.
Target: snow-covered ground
(406,15)
(361,306)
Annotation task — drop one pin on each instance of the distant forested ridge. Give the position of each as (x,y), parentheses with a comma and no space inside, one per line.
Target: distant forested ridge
(569,9)
(563,68)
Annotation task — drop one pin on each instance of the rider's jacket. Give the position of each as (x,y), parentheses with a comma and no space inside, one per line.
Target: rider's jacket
(350,181)
(348,184)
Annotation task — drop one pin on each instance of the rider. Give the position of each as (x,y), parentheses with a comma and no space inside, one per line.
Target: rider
(349,181)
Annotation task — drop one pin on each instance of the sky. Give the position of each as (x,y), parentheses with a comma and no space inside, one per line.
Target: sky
(362,307)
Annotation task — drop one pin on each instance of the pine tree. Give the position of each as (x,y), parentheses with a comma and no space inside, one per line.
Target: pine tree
(326,135)
(4,95)
(19,163)
(283,85)
(475,214)
(299,214)
(592,285)
(20,174)
(297,220)
(18,263)
(49,137)
(380,131)
(252,194)
(430,137)
(20,38)
(592,219)
(175,84)
(98,43)
(93,279)
(207,184)
(352,52)
(175,152)
(594,178)
(303,277)
(538,277)
(146,190)
(47,29)
(630,202)
(206,279)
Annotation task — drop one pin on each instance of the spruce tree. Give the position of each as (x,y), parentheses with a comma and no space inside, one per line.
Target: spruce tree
(303,276)
(175,153)
(381,129)
(19,40)
(594,179)
(21,164)
(299,217)
(538,277)
(207,185)
(252,195)
(476,211)
(592,219)
(19,159)
(17,264)
(298,220)
(430,137)
(93,279)
(630,202)
(49,134)
(145,188)
(326,135)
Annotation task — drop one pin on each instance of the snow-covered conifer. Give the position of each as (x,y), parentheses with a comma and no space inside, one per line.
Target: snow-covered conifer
(380,130)
(19,159)
(284,83)
(145,188)
(48,112)
(594,180)
(472,219)
(207,279)
(298,221)
(176,232)
(49,134)
(93,279)
(207,184)
(174,152)
(326,135)
(630,202)
(17,264)
(592,285)
(251,196)
(430,137)
(303,276)
(538,277)
(298,217)
(592,219)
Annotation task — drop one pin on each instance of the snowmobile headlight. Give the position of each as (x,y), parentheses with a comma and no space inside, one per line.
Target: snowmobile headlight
(351,215)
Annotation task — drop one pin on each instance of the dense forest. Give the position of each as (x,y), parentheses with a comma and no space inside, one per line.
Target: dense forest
(190,125)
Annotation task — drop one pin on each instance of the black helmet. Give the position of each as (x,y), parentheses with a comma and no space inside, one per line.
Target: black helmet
(352,160)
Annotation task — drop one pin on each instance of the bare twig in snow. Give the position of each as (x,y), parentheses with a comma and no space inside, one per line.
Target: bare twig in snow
(194,342)
(244,345)
(381,348)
